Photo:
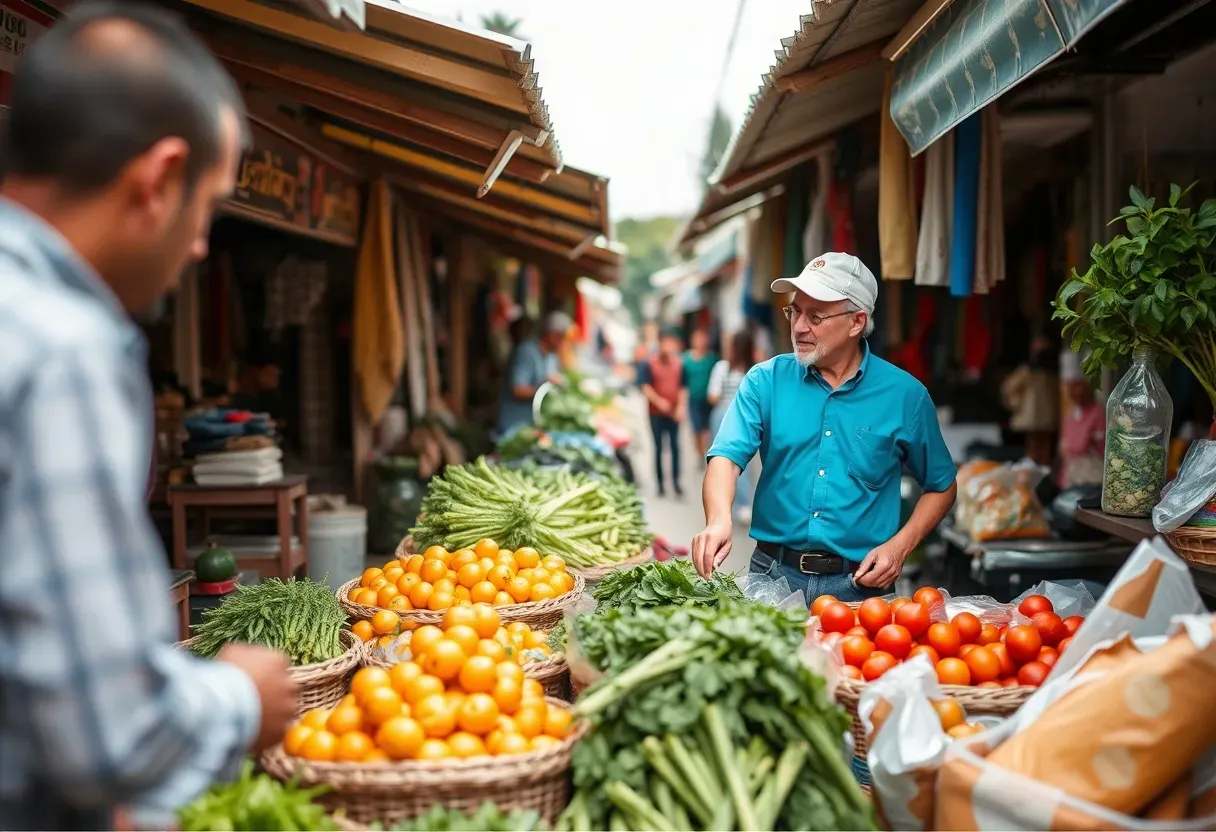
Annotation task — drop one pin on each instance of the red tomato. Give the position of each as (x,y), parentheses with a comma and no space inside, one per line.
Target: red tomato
(1011,682)
(821,603)
(1002,653)
(1033,674)
(913,617)
(1048,656)
(1063,644)
(991,683)
(1072,624)
(896,603)
(965,649)
(1023,643)
(928,596)
(878,664)
(1050,627)
(983,664)
(850,672)
(925,650)
(837,617)
(989,634)
(874,614)
(943,638)
(969,627)
(895,640)
(1034,604)
(830,640)
(858,631)
(953,672)
(856,649)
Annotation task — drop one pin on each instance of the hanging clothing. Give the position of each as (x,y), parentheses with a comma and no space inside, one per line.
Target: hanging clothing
(815,238)
(937,214)
(797,215)
(990,234)
(379,340)
(840,207)
(896,203)
(966,197)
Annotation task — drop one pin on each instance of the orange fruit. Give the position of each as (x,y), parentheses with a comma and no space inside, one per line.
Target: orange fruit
(478,714)
(465,636)
(316,718)
(533,691)
(353,594)
(436,553)
(553,564)
(375,756)
(469,575)
(462,559)
(433,569)
(321,746)
(363,629)
(502,598)
(413,564)
(530,718)
(507,559)
(366,597)
(514,744)
(487,564)
(483,592)
(520,589)
(381,705)
(420,595)
(510,670)
(436,716)
(486,620)
(369,575)
(400,737)
(949,713)
(445,584)
(539,575)
(544,742)
(444,660)
(400,603)
(461,597)
(557,722)
(527,557)
(393,573)
(440,601)
(542,592)
(457,615)
(353,747)
(434,749)
(349,699)
(478,675)
(486,548)
(385,641)
(293,741)
(508,694)
(424,638)
(534,639)
(492,649)
(528,575)
(450,577)
(455,697)
(407,582)
(499,575)
(464,745)
(422,686)
(344,719)
(494,740)
(386,621)
(401,673)
(367,679)
(376,583)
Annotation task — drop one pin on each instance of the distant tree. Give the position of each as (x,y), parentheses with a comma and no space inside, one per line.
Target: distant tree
(503,25)
(719,139)
(647,241)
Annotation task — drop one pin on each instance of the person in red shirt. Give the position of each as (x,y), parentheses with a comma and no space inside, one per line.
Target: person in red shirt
(665,387)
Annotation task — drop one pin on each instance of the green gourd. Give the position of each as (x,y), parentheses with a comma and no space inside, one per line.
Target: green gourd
(214,565)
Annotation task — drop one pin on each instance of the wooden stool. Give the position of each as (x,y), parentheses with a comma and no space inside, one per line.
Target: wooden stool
(279,495)
(179,596)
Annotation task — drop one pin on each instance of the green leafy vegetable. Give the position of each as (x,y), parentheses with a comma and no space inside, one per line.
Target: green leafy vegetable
(660,583)
(488,818)
(256,803)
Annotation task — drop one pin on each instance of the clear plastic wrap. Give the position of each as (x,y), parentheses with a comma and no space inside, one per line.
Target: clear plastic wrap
(1000,503)
(1067,598)
(1194,486)
(775,592)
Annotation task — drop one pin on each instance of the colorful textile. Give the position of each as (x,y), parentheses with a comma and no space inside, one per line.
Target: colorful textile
(966,199)
(936,215)
(896,204)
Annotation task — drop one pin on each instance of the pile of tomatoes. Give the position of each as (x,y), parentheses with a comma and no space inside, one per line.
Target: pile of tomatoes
(964,650)
(954,719)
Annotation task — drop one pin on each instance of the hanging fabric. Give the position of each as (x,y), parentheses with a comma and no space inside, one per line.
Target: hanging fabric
(990,231)
(913,355)
(937,213)
(797,213)
(293,291)
(966,196)
(840,195)
(896,203)
(379,340)
(815,239)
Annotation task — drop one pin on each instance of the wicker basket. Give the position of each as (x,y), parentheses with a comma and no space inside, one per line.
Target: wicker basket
(1194,543)
(322,685)
(539,615)
(595,574)
(390,792)
(553,673)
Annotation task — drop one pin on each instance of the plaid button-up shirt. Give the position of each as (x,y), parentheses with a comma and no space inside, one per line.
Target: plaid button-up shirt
(97,708)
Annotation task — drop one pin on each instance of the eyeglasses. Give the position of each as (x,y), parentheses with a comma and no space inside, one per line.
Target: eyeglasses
(813,318)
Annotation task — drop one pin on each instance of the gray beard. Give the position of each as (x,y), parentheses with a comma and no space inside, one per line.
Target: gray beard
(809,359)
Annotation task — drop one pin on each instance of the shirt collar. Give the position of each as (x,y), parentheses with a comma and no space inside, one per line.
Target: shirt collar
(813,372)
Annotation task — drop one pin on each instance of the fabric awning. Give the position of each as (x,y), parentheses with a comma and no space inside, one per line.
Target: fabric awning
(975,51)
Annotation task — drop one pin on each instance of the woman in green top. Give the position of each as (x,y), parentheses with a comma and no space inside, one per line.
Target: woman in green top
(699,362)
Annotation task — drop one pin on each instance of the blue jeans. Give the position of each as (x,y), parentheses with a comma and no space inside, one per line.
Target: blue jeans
(665,426)
(842,586)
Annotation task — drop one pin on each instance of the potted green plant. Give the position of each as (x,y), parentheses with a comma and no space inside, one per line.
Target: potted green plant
(1150,291)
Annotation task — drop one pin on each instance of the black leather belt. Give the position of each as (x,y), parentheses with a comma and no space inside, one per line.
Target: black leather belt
(808,563)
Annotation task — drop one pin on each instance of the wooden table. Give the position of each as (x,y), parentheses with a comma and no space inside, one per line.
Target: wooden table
(179,596)
(280,496)
(1135,529)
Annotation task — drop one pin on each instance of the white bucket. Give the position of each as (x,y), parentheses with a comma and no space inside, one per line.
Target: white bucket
(337,542)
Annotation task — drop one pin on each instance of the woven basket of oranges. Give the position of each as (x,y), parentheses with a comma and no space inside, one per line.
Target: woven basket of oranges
(522,585)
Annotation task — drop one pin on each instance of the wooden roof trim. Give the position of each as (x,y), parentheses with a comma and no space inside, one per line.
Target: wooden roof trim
(773,167)
(832,68)
(912,30)
(263,114)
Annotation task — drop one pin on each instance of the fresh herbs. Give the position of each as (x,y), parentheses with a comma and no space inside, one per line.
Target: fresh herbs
(707,719)
(256,803)
(488,818)
(301,618)
(1135,472)
(661,583)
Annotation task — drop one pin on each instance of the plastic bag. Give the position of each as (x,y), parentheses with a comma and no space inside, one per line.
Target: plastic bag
(1194,486)
(583,674)
(775,592)
(1003,504)
(1067,598)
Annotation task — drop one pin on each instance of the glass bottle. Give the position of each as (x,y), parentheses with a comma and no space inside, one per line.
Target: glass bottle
(1138,419)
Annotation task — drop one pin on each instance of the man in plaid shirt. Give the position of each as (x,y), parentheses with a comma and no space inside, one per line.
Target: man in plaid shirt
(123,135)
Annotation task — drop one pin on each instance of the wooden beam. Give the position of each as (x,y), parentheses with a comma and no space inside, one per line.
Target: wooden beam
(912,30)
(842,64)
(462,273)
(465,78)
(530,219)
(387,123)
(777,165)
(266,115)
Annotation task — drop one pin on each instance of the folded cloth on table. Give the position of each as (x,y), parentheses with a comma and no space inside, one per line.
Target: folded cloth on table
(247,469)
(239,479)
(271,454)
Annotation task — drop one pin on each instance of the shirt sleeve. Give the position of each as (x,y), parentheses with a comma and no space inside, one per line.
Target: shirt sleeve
(738,438)
(110,711)
(527,367)
(717,378)
(644,373)
(929,459)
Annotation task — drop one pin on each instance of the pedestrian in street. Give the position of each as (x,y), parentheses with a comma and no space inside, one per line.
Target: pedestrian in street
(665,386)
(123,135)
(834,425)
(724,382)
(533,362)
(699,362)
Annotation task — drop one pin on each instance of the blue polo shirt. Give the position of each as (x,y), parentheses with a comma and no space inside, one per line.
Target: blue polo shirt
(832,458)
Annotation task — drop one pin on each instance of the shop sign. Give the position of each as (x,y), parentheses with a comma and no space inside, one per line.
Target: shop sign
(20,25)
(286,183)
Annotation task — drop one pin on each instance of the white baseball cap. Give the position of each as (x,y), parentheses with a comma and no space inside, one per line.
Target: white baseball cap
(834,277)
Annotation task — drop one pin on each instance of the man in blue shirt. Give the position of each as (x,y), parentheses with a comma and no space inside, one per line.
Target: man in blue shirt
(834,427)
(532,363)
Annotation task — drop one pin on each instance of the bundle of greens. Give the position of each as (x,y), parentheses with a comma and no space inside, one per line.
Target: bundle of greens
(488,818)
(256,803)
(586,520)
(301,618)
(566,410)
(707,719)
(662,583)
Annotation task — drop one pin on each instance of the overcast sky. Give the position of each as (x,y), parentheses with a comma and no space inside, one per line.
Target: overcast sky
(630,83)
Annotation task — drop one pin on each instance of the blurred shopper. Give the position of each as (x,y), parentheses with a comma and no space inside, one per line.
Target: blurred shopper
(699,362)
(724,382)
(533,362)
(1082,427)
(1032,395)
(665,386)
(123,135)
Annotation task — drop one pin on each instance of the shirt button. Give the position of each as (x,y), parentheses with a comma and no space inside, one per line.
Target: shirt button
(816,514)
(827,433)
(821,472)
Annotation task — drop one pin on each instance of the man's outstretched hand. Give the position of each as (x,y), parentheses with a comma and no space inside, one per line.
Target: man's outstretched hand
(711,547)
